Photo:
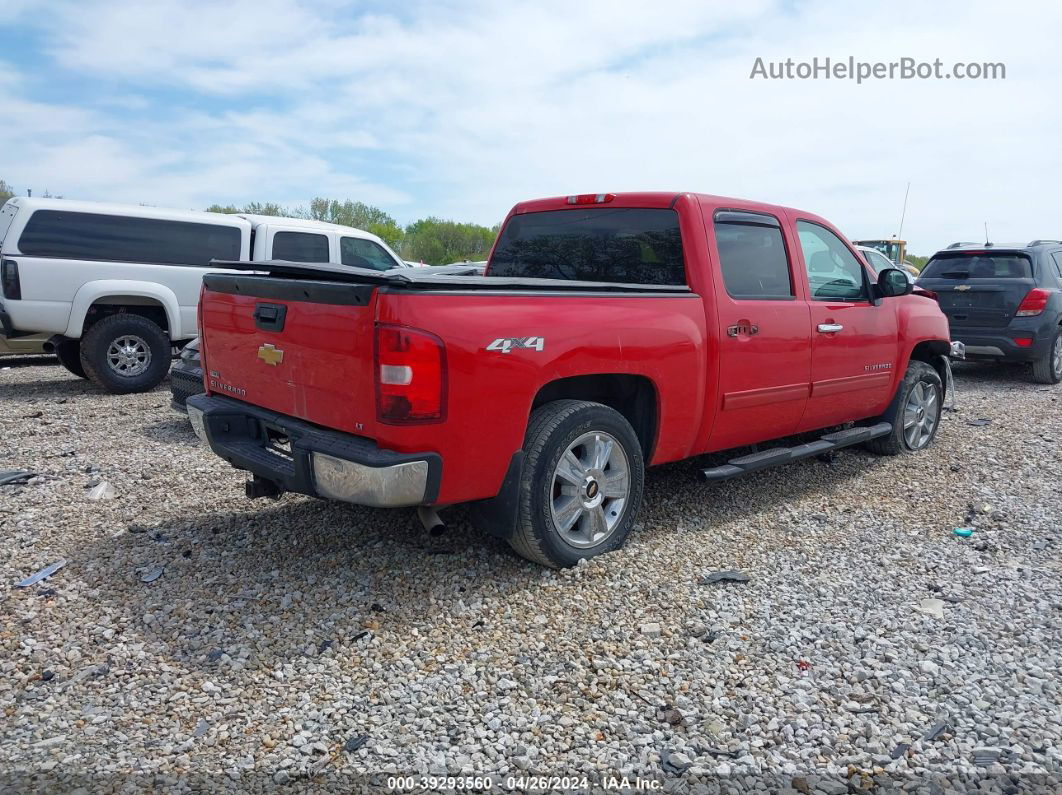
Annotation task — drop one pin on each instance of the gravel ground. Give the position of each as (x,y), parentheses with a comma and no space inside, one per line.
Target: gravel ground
(280,636)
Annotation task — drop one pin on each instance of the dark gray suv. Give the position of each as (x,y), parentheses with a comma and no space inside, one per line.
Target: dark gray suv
(1003,302)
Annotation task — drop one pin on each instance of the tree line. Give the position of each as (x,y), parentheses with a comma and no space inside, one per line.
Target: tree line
(433,240)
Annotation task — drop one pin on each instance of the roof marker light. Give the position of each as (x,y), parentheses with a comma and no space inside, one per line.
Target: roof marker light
(591,198)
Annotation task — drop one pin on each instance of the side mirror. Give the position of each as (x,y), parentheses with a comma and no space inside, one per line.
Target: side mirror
(893,282)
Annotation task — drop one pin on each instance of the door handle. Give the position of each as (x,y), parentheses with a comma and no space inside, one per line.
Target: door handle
(830,328)
(744,327)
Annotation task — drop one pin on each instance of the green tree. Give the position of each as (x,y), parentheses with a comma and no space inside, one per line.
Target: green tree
(431,240)
(260,208)
(6,192)
(358,215)
(918,262)
(440,242)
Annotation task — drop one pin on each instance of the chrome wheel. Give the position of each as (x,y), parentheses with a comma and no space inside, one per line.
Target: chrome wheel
(591,485)
(1056,358)
(128,355)
(920,415)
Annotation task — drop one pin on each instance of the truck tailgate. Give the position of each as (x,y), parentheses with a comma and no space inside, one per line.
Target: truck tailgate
(302,348)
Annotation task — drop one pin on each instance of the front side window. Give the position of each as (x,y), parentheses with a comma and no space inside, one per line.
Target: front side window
(752,256)
(300,247)
(614,244)
(359,253)
(119,238)
(834,273)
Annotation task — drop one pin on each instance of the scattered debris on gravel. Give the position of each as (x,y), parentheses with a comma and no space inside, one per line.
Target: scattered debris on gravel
(279,641)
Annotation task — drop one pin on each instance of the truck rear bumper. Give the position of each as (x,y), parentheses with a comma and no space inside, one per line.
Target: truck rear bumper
(297,456)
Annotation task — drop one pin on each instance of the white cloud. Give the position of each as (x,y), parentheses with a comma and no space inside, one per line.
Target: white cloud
(461,109)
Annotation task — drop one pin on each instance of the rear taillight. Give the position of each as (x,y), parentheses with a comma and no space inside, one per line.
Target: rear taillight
(926,293)
(1023,342)
(410,376)
(1034,303)
(9,278)
(199,330)
(592,198)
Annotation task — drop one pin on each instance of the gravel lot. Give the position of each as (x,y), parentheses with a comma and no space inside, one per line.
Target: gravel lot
(280,632)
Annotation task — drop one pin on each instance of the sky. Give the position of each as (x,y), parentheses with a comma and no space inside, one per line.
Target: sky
(461,109)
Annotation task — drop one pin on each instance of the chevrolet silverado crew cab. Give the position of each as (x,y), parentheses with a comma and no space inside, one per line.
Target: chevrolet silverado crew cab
(1004,303)
(611,332)
(115,287)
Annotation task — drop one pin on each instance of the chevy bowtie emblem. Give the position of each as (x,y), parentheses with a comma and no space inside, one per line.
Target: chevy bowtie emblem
(962,288)
(270,354)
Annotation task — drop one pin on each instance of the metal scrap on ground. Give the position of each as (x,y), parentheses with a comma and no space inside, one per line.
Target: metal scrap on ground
(729,575)
(43,574)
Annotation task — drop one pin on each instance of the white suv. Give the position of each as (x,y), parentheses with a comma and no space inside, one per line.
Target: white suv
(117,286)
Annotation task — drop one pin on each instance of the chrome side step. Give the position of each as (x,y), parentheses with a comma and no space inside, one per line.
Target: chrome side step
(784,455)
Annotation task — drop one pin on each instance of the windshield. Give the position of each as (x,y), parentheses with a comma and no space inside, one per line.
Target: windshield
(630,245)
(978,265)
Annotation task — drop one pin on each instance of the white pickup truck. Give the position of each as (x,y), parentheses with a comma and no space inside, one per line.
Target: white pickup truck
(117,286)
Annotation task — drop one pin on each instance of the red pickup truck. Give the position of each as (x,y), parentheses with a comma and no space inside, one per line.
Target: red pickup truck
(611,332)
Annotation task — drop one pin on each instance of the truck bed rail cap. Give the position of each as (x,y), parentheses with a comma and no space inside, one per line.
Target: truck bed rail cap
(417,278)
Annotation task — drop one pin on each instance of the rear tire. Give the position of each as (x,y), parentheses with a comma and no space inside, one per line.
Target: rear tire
(1048,368)
(581,486)
(920,406)
(69,354)
(126,353)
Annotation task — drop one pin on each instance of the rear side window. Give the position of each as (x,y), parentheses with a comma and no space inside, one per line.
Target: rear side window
(7,215)
(1057,257)
(300,247)
(119,238)
(978,266)
(359,253)
(617,244)
(834,273)
(878,262)
(752,256)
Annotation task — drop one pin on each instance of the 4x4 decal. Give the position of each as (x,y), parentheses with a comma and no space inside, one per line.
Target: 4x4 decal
(508,344)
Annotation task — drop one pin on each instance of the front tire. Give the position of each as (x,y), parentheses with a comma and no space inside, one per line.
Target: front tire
(1048,368)
(918,413)
(126,353)
(69,354)
(581,486)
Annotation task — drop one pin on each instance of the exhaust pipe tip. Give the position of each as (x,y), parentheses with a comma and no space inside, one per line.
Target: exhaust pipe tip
(429,517)
(52,343)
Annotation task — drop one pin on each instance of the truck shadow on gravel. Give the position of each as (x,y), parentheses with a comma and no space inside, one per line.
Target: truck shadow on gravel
(28,361)
(992,374)
(176,430)
(337,575)
(49,388)
(67,385)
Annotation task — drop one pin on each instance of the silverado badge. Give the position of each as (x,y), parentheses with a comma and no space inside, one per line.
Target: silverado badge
(270,354)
